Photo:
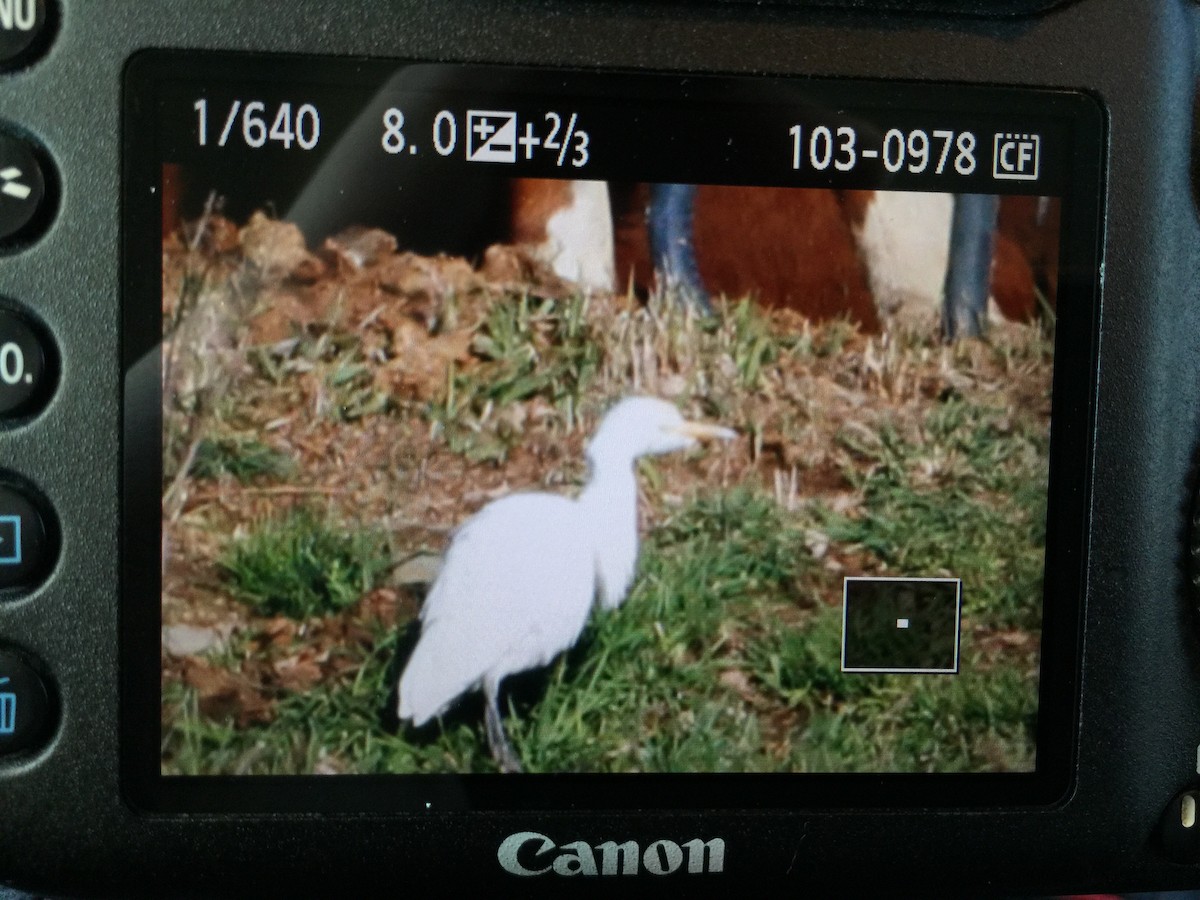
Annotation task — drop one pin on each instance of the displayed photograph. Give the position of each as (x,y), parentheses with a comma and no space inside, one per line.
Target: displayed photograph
(617,478)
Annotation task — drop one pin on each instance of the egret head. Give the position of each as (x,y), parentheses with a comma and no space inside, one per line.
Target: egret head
(646,426)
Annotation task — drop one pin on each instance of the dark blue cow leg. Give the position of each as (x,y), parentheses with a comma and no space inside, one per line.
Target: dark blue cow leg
(969,268)
(669,220)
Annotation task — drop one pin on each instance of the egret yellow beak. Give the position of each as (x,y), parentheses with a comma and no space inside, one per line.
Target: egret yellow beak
(701,431)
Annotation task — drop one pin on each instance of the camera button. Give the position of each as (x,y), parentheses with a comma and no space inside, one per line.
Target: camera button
(24,210)
(27,541)
(25,27)
(26,705)
(27,368)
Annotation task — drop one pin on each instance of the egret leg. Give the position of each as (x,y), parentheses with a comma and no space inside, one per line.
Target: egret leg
(502,751)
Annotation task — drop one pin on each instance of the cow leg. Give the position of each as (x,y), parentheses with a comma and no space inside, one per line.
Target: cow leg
(568,226)
(669,220)
(969,268)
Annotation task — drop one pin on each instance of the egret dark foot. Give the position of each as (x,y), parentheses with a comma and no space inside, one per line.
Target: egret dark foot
(502,751)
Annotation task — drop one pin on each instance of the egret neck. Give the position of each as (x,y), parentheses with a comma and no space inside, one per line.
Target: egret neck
(608,507)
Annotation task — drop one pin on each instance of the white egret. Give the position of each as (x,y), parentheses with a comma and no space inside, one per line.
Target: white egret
(521,575)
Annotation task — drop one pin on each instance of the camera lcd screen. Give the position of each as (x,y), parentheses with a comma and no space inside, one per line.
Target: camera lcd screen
(618,427)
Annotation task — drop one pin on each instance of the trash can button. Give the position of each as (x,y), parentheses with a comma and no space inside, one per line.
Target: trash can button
(26,706)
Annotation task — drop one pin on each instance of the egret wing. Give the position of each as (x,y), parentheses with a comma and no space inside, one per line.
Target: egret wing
(515,591)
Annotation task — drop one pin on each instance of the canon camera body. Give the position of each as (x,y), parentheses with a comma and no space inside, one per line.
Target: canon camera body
(603,446)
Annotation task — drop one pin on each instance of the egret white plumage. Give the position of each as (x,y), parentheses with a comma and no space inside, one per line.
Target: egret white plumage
(521,575)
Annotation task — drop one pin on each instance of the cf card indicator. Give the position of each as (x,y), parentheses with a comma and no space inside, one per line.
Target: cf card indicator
(1016,157)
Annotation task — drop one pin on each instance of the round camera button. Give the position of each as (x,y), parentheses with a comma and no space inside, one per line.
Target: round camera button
(27,545)
(26,705)
(24,28)
(26,368)
(22,190)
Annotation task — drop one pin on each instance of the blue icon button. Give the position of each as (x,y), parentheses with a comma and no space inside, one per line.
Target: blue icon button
(8,710)
(27,546)
(26,703)
(10,540)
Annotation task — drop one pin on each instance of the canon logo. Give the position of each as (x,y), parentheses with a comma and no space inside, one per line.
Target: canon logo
(529,853)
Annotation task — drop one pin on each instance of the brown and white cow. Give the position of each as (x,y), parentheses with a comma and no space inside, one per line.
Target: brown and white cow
(871,256)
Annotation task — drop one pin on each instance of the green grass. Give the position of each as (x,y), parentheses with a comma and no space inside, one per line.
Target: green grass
(726,654)
(577,362)
(341,360)
(719,660)
(243,458)
(968,500)
(529,348)
(301,566)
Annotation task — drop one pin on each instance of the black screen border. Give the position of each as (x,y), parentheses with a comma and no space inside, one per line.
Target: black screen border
(1073,412)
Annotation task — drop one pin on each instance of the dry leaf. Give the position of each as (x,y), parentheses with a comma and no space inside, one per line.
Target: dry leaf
(276,248)
(738,682)
(224,695)
(297,673)
(359,248)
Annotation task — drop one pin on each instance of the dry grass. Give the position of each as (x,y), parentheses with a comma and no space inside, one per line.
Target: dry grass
(401,395)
